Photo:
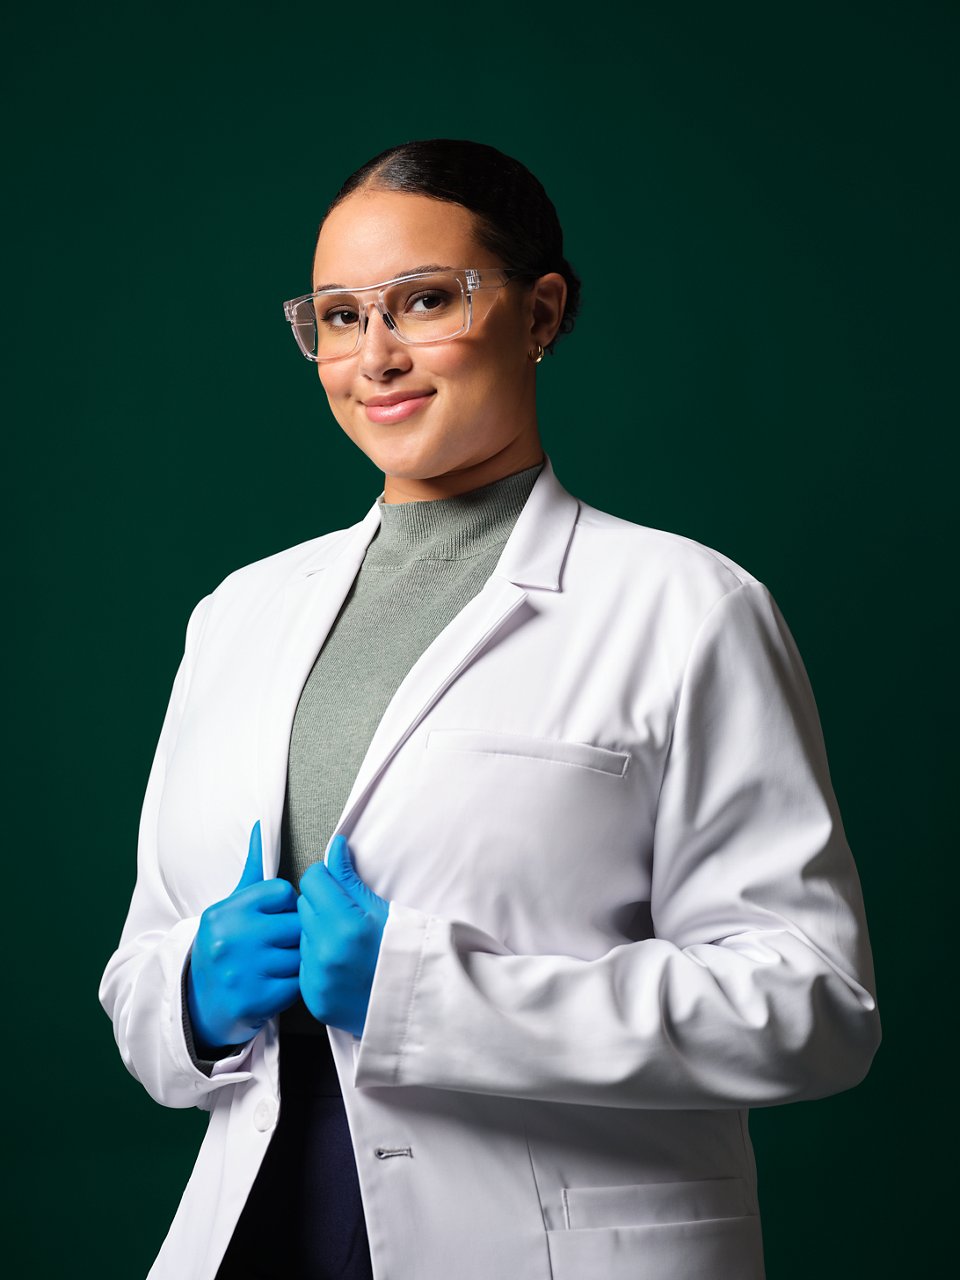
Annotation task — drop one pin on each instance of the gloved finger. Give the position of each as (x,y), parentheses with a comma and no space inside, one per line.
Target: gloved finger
(324,892)
(306,912)
(340,865)
(317,926)
(283,992)
(253,867)
(279,962)
(281,931)
(276,895)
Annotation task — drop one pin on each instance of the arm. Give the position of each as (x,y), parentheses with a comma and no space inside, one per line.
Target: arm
(142,987)
(758,987)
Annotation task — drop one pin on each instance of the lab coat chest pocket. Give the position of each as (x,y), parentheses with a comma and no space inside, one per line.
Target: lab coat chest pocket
(541,829)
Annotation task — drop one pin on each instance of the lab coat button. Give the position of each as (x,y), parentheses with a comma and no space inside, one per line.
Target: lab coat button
(265,1115)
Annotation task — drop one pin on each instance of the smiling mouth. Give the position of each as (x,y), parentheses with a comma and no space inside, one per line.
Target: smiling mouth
(398,411)
(388,403)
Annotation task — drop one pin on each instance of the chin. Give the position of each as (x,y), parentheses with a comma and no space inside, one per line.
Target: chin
(408,457)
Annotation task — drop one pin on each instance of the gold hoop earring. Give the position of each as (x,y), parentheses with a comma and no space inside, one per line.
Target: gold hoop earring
(539,356)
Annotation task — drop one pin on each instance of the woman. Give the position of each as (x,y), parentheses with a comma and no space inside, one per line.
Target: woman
(489,868)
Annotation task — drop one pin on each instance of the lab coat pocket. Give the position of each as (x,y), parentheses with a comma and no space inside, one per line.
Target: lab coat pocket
(684,1230)
(519,818)
(520,745)
(648,1203)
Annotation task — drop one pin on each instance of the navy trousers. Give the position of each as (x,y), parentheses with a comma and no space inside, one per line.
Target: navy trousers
(303,1219)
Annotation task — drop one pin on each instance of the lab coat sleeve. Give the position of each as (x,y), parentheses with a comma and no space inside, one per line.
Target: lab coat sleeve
(141,989)
(757,987)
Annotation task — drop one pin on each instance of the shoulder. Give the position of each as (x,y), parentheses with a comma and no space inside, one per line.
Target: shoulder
(636,558)
(251,594)
(272,572)
(679,600)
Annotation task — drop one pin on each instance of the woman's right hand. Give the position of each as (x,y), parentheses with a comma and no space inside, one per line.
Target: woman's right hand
(245,960)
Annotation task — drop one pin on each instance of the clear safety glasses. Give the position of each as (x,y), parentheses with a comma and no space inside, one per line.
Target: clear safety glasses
(420,308)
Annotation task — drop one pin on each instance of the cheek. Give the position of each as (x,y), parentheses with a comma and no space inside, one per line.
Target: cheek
(450,362)
(335,381)
(470,373)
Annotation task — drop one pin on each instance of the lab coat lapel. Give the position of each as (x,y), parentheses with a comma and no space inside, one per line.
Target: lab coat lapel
(312,599)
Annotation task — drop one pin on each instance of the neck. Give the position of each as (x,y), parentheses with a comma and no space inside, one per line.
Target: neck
(456,527)
(508,461)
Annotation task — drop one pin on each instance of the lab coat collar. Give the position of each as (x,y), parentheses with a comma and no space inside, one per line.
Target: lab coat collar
(532,557)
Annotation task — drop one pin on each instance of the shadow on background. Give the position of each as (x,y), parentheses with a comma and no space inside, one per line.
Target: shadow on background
(761,202)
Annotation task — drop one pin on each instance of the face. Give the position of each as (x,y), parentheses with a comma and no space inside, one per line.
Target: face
(477,421)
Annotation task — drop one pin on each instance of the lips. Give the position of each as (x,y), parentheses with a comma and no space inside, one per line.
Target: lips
(396,397)
(400,408)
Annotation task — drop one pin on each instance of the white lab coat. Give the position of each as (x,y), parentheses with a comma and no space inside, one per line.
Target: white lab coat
(623,908)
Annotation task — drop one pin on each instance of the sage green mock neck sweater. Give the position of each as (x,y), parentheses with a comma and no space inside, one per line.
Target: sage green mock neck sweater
(426,561)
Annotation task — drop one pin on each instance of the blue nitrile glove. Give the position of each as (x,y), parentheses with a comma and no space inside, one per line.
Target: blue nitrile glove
(343,921)
(245,960)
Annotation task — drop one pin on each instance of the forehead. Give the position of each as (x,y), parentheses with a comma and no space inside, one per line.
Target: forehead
(374,235)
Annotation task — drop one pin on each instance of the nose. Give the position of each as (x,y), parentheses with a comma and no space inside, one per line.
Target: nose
(380,348)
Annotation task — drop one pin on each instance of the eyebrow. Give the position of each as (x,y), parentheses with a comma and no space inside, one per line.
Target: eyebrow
(424,266)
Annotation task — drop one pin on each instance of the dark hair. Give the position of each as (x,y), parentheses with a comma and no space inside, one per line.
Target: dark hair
(514,216)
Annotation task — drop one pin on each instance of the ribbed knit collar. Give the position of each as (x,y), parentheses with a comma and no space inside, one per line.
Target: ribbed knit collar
(454,528)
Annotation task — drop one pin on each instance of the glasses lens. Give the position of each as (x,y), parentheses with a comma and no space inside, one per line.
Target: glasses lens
(337,317)
(427,309)
(304,323)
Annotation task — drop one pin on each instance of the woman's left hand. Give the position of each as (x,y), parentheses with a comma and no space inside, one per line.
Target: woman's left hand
(342,922)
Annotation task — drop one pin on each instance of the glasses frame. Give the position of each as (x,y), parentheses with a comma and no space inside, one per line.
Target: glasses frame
(471,279)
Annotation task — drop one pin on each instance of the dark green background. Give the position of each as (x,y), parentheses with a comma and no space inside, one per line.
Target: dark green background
(761,201)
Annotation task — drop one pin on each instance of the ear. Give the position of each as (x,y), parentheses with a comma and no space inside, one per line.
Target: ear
(547,304)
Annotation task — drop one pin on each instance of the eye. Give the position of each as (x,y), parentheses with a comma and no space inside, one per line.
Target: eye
(438,297)
(330,317)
